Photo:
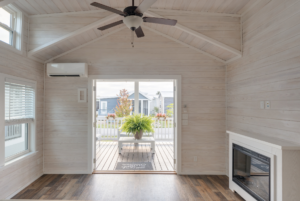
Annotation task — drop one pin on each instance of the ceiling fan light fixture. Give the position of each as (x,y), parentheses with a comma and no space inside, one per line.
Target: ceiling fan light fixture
(133,22)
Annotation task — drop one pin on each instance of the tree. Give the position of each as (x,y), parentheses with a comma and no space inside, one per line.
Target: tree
(123,108)
(170,110)
(156,109)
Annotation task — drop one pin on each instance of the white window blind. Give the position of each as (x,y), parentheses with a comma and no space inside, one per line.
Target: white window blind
(19,102)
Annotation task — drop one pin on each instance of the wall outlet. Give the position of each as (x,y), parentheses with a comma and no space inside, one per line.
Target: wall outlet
(268,104)
(195,159)
(262,104)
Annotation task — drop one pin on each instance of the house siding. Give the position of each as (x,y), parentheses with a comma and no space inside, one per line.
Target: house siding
(111,105)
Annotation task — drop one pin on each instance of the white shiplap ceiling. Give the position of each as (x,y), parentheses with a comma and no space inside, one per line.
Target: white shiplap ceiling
(34,7)
(56,11)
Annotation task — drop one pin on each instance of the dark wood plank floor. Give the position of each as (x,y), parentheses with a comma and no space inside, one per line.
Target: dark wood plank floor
(108,155)
(133,187)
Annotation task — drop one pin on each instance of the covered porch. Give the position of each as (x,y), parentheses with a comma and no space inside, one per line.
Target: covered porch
(108,156)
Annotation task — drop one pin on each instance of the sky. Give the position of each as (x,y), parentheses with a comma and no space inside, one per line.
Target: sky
(110,89)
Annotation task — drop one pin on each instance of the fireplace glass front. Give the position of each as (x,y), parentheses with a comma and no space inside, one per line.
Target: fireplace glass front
(251,171)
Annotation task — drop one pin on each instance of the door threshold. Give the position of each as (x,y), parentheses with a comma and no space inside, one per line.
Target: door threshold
(132,172)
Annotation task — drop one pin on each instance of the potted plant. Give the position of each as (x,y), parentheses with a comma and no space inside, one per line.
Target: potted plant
(111,116)
(161,116)
(137,125)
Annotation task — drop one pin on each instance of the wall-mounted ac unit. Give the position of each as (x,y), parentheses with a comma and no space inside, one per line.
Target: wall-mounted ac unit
(67,70)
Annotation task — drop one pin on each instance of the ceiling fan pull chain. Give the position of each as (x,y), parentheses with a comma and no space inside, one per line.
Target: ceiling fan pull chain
(132,38)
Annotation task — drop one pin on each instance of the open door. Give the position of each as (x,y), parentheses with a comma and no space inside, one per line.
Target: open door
(94,122)
(174,124)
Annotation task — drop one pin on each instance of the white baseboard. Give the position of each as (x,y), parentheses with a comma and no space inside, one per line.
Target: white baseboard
(206,173)
(67,172)
(20,189)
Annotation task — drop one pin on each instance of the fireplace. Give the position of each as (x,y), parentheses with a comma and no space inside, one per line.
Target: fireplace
(251,171)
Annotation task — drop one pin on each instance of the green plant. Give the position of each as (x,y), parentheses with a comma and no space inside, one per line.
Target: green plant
(136,122)
(170,110)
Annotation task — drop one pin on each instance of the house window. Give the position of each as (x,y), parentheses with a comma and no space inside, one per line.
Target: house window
(11,26)
(19,117)
(103,107)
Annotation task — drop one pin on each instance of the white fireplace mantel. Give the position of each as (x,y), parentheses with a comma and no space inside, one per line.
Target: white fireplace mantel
(285,164)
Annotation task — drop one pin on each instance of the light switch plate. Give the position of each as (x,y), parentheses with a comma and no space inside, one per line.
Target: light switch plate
(268,104)
(262,104)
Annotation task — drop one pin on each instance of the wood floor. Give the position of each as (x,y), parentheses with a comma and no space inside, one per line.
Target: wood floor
(108,155)
(133,187)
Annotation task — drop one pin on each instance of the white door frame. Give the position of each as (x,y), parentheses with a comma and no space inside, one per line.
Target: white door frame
(91,137)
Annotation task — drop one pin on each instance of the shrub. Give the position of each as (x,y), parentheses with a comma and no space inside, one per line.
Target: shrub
(136,122)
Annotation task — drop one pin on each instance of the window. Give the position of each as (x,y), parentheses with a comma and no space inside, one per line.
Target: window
(19,117)
(6,26)
(11,26)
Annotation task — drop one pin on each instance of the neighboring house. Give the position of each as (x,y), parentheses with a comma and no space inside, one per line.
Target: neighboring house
(164,99)
(154,103)
(108,104)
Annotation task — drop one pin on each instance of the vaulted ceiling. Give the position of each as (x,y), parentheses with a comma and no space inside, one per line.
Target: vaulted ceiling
(210,27)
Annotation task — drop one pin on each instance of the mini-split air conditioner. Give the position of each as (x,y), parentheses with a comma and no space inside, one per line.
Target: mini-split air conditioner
(67,69)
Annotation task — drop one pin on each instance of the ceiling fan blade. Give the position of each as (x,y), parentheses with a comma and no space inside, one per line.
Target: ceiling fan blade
(160,21)
(144,6)
(111,25)
(139,32)
(110,9)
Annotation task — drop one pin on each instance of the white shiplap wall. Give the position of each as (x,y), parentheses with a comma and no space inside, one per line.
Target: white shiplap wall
(17,175)
(268,71)
(203,90)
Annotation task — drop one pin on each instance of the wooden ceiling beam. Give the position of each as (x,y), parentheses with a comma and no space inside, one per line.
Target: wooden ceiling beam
(185,44)
(88,43)
(200,36)
(72,34)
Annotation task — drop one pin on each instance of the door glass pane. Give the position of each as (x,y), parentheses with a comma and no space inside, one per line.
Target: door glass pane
(156,100)
(5,35)
(5,17)
(16,139)
(115,98)
(158,96)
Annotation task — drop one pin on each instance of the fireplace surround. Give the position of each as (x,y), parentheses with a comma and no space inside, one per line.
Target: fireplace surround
(276,159)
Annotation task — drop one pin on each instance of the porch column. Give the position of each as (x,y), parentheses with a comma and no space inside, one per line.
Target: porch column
(136,97)
(142,109)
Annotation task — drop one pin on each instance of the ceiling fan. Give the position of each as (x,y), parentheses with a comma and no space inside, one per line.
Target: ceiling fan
(133,17)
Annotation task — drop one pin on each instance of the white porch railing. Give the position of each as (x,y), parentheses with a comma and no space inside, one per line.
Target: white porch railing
(13,131)
(107,129)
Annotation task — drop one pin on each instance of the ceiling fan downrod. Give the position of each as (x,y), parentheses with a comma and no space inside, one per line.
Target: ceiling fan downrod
(132,39)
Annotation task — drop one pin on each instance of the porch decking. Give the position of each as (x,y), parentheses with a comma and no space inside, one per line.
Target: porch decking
(108,155)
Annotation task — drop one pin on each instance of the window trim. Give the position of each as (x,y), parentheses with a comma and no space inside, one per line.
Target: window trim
(16,29)
(31,125)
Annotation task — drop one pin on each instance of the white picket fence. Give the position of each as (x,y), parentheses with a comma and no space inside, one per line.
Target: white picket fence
(107,129)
